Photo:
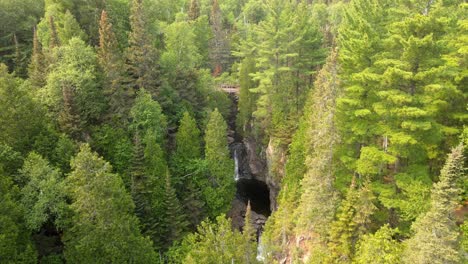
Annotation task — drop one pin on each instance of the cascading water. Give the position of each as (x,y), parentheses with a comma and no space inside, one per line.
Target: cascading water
(260,256)
(249,188)
(236,166)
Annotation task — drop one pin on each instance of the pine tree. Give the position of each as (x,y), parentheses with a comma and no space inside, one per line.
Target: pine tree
(436,236)
(221,187)
(249,238)
(246,98)
(188,145)
(219,45)
(379,247)
(69,120)
(194,10)
(142,56)
(317,203)
(110,59)
(214,242)
(351,222)
(103,228)
(174,218)
(54,39)
(37,66)
(146,190)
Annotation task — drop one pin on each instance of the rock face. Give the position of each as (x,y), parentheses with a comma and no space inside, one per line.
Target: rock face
(256,163)
(276,160)
(237,214)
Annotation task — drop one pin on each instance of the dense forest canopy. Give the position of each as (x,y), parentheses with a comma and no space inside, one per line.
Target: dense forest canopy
(233,131)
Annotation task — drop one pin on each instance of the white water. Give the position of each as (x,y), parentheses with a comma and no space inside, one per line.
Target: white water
(236,166)
(260,256)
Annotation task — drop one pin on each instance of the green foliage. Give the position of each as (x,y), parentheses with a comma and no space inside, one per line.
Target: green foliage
(220,188)
(351,222)
(213,243)
(379,247)
(20,115)
(188,146)
(103,227)
(114,145)
(43,196)
(435,238)
(58,26)
(147,117)
(110,60)
(15,245)
(17,19)
(142,56)
(72,91)
(249,245)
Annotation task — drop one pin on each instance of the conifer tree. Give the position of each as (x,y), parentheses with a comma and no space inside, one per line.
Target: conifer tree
(37,66)
(249,238)
(379,247)
(110,59)
(321,139)
(194,10)
(175,222)
(54,39)
(142,56)
(214,243)
(188,145)
(436,236)
(246,98)
(219,45)
(68,119)
(351,222)
(103,228)
(145,191)
(221,187)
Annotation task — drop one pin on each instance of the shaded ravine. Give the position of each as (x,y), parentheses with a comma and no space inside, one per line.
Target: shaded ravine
(248,187)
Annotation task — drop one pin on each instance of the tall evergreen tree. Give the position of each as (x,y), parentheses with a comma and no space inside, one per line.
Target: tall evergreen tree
(54,39)
(110,59)
(436,236)
(322,138)
(146,191)
(351,223)
(249,237)
(175,222)
(37,66)
(142,56)
(103,227)
(188,146)
(194,10)
(221,189)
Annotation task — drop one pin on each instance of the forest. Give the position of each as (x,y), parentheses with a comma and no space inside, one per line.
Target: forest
(233,131)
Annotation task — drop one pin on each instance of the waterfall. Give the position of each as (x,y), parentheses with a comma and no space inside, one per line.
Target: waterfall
(260,256)
(236,166)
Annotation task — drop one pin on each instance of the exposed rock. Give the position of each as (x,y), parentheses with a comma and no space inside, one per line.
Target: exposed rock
(276,160)
(256,163)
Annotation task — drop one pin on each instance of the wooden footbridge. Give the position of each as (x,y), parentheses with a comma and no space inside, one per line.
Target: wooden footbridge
(230,88)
